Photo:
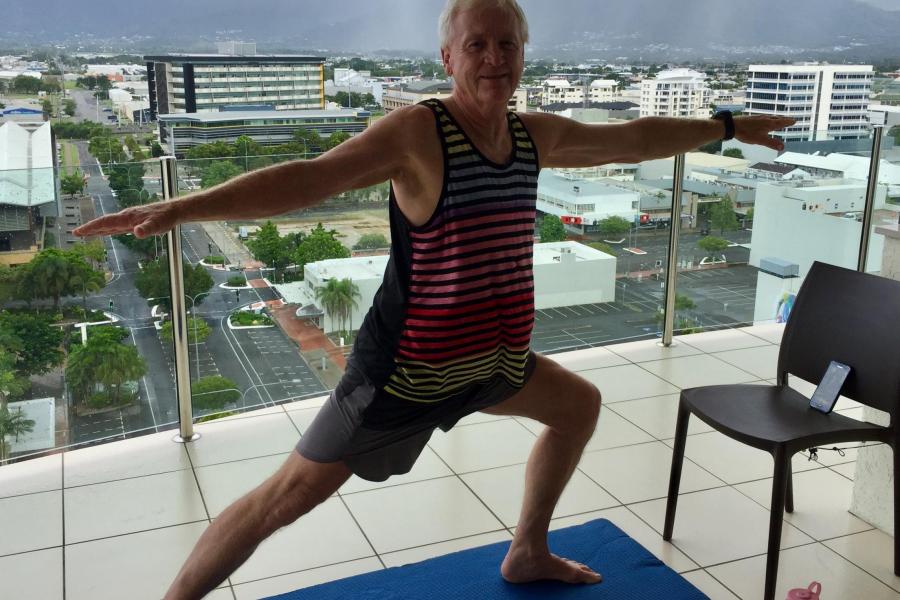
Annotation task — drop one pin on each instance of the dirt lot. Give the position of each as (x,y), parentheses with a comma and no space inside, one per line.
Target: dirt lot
(349,225)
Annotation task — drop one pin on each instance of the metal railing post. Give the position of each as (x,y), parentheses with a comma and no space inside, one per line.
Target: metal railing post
(871,189)
(179,314)
(672,258)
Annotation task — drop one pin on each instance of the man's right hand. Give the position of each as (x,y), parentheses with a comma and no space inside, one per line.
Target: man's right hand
(143,221)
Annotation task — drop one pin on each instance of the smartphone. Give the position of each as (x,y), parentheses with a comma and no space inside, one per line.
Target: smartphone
(826,394)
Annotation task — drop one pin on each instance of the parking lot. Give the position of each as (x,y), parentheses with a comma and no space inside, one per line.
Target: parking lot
(722,297)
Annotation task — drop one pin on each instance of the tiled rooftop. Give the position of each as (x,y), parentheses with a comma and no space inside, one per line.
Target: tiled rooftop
(116,521)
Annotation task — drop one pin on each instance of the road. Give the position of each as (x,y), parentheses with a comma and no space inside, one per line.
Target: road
(264,363)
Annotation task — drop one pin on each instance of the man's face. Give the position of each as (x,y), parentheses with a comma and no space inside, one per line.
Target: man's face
(485,55)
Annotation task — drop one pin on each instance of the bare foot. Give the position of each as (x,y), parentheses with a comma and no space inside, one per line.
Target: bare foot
(518,567)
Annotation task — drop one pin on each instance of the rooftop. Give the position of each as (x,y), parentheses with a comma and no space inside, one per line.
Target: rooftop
(246,115)
(118,519)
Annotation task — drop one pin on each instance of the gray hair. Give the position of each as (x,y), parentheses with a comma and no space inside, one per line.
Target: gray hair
(454,7)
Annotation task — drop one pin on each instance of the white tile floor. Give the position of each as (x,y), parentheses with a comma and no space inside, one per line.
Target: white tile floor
(117,520)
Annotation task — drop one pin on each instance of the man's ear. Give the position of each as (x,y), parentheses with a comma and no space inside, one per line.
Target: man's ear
(445,59)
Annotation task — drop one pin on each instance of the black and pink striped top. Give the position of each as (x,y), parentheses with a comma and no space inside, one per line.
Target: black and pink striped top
(456,307)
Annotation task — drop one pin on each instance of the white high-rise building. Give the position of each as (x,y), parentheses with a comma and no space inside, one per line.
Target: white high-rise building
(676,93)
(828,101)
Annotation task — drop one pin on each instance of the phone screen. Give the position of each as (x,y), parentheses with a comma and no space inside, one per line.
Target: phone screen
(826,394)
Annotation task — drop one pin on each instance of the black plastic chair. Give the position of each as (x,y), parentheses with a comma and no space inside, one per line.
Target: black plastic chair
(841,315)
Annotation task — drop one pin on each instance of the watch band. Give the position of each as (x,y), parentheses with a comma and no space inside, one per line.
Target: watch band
(728,119)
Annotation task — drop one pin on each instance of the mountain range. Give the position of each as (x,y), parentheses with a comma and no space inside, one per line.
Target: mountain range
(604,29)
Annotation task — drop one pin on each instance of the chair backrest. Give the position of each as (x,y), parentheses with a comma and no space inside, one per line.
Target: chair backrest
(853,318)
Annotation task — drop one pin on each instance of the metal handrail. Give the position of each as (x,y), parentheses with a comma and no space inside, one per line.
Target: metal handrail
(672,258)
(871,188)
(179,312)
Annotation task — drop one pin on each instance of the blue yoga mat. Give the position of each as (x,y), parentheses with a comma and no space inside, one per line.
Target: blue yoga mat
(629,573)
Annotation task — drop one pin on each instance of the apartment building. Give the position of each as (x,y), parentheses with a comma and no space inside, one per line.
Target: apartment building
(676,93)
(559,90)
(828,101)
(191,83)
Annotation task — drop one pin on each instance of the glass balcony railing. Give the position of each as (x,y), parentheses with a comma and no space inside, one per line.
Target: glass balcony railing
(272,305)
(76,338)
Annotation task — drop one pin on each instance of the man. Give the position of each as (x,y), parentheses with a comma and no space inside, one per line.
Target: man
(449,330)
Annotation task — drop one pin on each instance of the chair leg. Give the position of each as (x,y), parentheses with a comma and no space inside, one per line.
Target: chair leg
(681,428)
(776,517)
(789,494)
(896,510)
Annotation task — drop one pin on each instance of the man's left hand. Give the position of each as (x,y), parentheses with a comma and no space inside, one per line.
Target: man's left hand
(756,130)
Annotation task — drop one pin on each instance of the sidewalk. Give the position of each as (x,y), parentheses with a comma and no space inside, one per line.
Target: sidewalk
(230,246)
(315,347)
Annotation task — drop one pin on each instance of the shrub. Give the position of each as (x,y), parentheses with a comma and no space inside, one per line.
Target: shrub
(212,393)
(214,260)
(236,281)
(245,318)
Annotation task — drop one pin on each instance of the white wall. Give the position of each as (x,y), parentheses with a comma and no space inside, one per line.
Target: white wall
(782,229)
(575,280)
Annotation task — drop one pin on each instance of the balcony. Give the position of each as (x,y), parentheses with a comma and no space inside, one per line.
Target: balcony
(118,487)
(80,518)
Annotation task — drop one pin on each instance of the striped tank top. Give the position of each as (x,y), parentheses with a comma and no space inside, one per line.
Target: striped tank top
(456,307)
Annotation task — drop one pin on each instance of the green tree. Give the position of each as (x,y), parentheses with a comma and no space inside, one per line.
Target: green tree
(733,153)
(106,362)
(106,148)
(39,347)
(218,172)
(213,150)
(54,273)
(214,393)
(93,251)
(153,281)
(318,245)
(198,330)
(47,106)
(338,298)
(9,281)
(722,217)
(156,150)
(371,241)
(11,383)
(748,218)
(711,245)
(25,84)
(614,226)
(69,107)
(12,424)
(312,142)
(72,184)
(268,246)
(336,139)
(552,229)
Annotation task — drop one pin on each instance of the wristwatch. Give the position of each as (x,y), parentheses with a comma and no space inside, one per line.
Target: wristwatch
(728,119)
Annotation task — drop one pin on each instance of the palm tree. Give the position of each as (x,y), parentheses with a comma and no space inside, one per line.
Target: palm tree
(349,294)
(12,424)
(328,295)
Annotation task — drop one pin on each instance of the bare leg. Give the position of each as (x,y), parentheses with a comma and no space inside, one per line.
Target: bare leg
(297,487)
(569,406)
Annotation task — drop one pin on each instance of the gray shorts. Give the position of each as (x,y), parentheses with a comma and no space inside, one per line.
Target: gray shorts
(377,435)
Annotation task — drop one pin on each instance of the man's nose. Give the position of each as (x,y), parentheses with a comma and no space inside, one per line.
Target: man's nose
(493,55)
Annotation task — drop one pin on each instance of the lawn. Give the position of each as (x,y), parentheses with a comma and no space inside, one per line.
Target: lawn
(69,156)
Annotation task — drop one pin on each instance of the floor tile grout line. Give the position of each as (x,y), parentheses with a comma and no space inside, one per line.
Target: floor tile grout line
(480,499)
(361,530)
(62,501)
(307,570)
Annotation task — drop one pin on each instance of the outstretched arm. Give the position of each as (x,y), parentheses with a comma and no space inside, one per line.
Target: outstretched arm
(378,154)
(567,143)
